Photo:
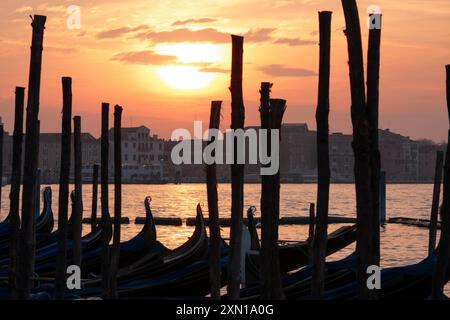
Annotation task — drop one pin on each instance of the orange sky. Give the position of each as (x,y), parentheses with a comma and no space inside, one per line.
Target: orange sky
(164,61)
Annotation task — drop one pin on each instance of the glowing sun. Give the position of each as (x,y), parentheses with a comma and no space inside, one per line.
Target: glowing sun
(187,75)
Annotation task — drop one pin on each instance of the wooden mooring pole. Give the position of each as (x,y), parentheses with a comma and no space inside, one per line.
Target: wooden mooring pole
(94,197)
(312,222)
(237,170)
(78,205)
(383,197)
(27,247)
(278,108)
(115,253)
(213,207)
(267,198)
(106,219)
(14,195)
(443,250)
(63,201)
(361,149)
(373,83)
(435,202)
(323,158)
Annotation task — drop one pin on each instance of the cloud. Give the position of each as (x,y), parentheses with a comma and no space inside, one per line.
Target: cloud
(295,42)
(118,32)
(258,35)
(214,70)
(192,21)
(186,35)
(143,57)
(24,9)
(278,70)
(204,35)
(52,8)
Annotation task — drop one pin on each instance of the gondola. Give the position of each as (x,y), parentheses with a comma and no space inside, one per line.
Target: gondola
(144,244)
(160,261)
(294,256)
(185,267)
(45,255)
(44,221)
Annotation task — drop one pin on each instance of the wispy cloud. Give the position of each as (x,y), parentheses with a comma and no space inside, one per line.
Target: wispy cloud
(185,35)
(214,70)
(24,9)
(279,70)
(193,21)
(295,42)
(118,32)
(145,57)
(259,35)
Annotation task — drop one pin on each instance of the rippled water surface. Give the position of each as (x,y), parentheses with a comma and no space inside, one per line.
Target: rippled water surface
(401,245)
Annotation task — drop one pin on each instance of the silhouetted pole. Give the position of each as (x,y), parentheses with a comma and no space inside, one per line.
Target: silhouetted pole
(382,197)
(237,170)
(443,250)
(94,197)
(435,202)
(361,149)
(323,158)
(14,195)
(267,197)
(78,218)
(312,222)
(31,158)
(106,219)
(213,210)
(115,253)
(278,108)
(63,201)
(373,83)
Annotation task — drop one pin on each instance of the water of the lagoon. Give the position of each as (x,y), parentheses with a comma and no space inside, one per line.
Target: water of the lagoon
(401,245)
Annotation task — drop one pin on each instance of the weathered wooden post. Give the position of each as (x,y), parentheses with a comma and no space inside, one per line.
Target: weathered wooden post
(78,205)
(237,170)
(312,222)
(94,197)
(266,197)
(443,250)
(323,158)
(213,208)
(278,108)
(382,197)
(435,201)
(373,83)
(106,219)
(361,149)
(16,174)
(115,253)
(31,158)
(63,201)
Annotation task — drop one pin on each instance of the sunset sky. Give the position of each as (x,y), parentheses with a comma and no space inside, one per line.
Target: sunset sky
(164,61)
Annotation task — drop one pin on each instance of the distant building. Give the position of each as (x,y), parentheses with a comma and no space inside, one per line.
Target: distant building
(399,157)
(50,155)
(341,157)
(142,155)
